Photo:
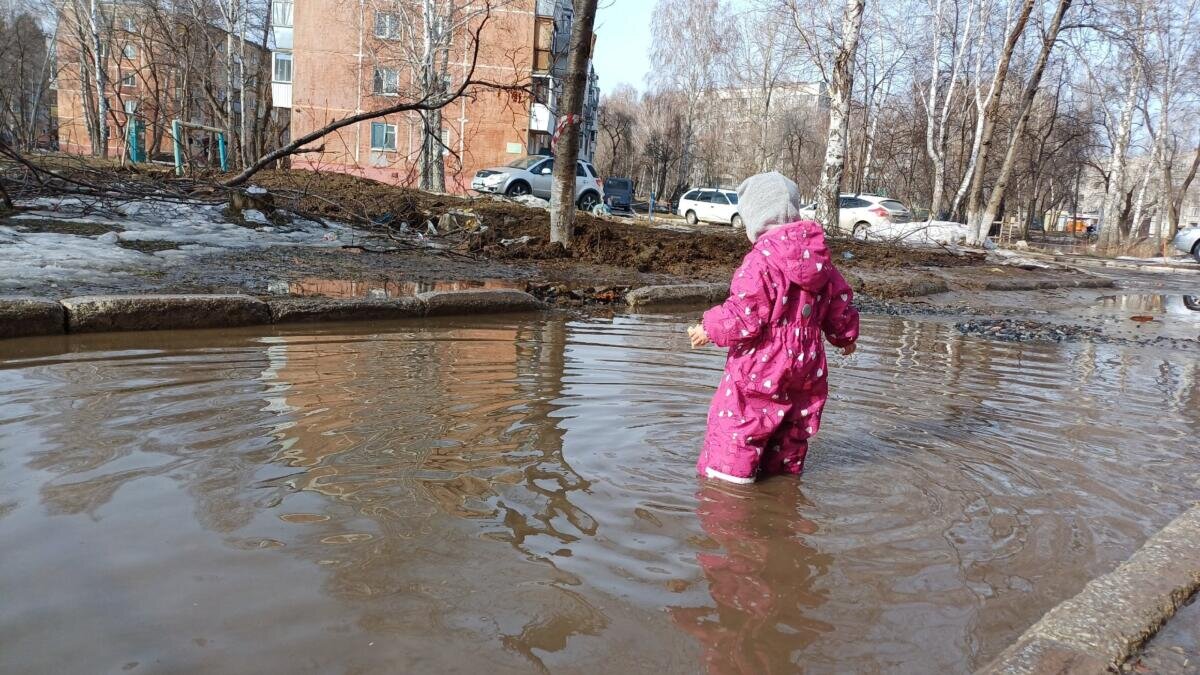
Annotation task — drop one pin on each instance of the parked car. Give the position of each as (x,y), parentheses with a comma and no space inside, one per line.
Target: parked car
(710,206)
(859,214)
(618,194)
(534,175)
(1188,241)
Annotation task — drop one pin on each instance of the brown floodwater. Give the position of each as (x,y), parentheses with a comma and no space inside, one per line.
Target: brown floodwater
(518,494)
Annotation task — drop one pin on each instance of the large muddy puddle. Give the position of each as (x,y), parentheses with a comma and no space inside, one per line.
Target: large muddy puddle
(514,495)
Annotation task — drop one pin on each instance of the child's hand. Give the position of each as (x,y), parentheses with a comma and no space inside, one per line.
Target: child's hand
(850,349)
(698,337)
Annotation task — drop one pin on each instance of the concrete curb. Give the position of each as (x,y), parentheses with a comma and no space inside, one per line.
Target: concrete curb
(312,310)
(448,303)
(1098,630)
(21,317)
(27,317)
(682,294)
(113,313)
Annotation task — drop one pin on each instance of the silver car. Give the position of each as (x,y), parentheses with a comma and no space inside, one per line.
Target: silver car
(1188,241)
(534,175)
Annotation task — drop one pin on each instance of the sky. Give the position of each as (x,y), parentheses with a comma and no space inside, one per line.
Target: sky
(623,43)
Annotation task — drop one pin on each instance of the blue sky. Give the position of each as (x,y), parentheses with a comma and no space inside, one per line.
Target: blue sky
(623,42)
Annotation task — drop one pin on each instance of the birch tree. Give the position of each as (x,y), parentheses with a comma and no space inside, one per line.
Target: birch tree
(950,31)
(1110,221)
(841,85)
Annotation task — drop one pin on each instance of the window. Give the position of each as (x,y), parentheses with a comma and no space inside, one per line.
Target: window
(544,169)
(387,81)
(383,136)
(580,172)
(541,90)
(128,24)
(281,13)
(705,196)
(691,196)
(543,43)
(732,196)
(892,205)
(129,51)
(131,106)
(525,162)
(445,142)
(591,170)
(852,203)
(387,25)
(718,198)
(283,67)
(129,80)
(1194,212)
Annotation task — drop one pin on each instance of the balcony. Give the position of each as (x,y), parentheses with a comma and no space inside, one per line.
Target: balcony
(541,119)
(281,94)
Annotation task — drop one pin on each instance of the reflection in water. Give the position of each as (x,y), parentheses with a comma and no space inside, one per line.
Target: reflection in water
(382,288)
(761,575)
(508,496)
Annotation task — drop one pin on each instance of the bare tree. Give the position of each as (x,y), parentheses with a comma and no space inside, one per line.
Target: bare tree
(841,85)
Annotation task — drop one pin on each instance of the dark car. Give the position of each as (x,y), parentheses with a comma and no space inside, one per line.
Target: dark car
(618,194)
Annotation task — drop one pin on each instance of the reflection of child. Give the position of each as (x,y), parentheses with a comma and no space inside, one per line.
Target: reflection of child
(785,295)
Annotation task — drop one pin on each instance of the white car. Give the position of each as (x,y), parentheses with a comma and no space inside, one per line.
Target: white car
(1188,241)
(710,206)
(865,216)
(534,175)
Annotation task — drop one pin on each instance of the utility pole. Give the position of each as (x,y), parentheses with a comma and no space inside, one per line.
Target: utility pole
(566,153)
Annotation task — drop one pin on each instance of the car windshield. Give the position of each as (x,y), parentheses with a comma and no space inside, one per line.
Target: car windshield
(732,197)
(525,162)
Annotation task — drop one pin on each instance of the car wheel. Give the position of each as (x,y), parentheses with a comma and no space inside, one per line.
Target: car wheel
(861,230)
(1196,251)
(517,189)
(737,221)
(588,201)
(691,218)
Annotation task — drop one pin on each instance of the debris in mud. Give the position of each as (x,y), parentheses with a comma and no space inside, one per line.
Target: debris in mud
(563,295)
(1018,330)
(1141,318)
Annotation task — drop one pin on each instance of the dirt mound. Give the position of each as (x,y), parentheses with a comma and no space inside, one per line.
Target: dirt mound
(517,232)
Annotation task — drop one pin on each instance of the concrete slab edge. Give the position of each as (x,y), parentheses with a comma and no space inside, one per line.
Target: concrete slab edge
(1102,626)
(677,294)
(32,317)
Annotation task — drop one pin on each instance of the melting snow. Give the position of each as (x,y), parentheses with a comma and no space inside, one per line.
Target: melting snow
(33,257)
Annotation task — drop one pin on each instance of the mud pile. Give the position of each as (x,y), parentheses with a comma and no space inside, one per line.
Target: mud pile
(519,233)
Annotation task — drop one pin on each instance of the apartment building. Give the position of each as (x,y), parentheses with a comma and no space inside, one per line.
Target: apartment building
(334,58)
(159,66)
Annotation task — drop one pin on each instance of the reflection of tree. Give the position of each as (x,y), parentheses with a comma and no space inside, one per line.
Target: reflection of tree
(762,580)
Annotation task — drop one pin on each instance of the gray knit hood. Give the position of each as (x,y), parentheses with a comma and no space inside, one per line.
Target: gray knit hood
(767,201)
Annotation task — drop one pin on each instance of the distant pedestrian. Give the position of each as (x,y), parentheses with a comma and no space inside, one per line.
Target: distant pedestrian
(784,300)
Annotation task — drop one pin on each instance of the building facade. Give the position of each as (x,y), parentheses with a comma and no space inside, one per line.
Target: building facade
(336,58)
(158,67)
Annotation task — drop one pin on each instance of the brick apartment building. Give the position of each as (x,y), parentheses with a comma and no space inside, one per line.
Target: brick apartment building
(150,80)
(333,58)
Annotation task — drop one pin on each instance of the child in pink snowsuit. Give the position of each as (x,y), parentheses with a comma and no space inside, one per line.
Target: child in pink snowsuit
(783,299)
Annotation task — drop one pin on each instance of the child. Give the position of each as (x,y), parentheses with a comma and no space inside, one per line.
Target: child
(783,297)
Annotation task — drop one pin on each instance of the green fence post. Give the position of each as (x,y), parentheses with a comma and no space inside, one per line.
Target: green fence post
(221,152)
(178,143)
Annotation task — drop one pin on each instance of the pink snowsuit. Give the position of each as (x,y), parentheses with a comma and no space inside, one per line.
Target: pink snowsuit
(784,296)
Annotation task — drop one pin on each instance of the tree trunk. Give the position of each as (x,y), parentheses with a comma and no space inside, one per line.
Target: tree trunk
(840,88)
(983,219)
(1110,222)
(101,81)
(562,192)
